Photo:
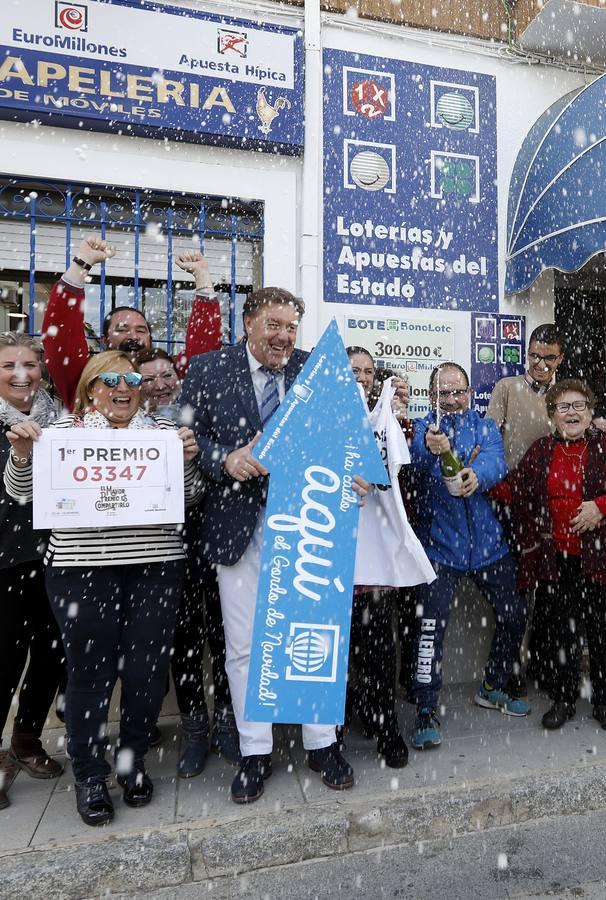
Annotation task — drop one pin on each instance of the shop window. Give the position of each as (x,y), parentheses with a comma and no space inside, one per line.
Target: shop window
(41,225)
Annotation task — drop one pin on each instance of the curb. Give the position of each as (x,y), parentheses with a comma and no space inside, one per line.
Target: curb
(218,849)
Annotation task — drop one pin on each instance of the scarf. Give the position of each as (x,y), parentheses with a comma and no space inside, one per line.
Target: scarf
(94,419)
(43,411)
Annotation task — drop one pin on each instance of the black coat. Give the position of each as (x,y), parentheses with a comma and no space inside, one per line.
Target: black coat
(219,389)
(19,543)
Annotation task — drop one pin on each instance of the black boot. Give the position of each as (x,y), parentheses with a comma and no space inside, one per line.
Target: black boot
(390,743)
(558,715)
(195,744)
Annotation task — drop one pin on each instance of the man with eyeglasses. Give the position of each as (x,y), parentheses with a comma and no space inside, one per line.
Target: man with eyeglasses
(517,403)
(463,538)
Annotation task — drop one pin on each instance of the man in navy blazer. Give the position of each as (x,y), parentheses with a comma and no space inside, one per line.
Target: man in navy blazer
(233,393)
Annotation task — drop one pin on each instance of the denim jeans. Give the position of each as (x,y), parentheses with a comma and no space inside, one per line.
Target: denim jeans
(116,622)
(497,584)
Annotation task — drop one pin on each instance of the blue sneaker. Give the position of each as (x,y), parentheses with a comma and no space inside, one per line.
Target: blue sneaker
(426,734)
(498,698)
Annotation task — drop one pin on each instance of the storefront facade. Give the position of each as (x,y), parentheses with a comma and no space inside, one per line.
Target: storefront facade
(168,147)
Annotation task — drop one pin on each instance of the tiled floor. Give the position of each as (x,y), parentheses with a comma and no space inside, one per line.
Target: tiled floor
(477,744)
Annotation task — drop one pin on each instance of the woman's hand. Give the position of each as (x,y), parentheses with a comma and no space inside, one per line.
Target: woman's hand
(587,518)
(469,481)
(190,446)
(21,438)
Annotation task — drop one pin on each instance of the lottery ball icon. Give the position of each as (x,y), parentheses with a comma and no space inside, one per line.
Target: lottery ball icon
(455,111)
(369,171)
(71,17)
(369,99)
(309,652)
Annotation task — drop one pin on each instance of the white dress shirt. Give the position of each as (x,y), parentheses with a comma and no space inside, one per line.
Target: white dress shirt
(259,378)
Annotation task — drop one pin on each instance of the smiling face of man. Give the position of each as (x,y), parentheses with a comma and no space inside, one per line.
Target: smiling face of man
(272,333)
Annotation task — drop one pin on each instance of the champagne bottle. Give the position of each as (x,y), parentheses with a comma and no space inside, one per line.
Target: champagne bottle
(450,464)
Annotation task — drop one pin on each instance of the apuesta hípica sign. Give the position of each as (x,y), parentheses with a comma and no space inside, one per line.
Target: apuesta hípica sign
(146,68)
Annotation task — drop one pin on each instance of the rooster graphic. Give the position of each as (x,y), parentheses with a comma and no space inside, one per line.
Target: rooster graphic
(266,112)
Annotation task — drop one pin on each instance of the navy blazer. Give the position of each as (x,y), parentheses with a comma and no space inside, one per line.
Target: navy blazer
(219,389)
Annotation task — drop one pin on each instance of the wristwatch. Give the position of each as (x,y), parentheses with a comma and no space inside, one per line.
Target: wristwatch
(83,265)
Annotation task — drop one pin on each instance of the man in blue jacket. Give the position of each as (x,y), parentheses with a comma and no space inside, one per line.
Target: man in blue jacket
(462,537)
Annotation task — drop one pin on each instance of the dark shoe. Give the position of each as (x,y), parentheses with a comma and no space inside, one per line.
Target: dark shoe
(517,687)
(558,715)
(391,745)
(8,772)
(225,740)
(156,737)
(29,754)
(93,802)
(336,771)
(248,786)
(195,744)
(137,787)
(599,713)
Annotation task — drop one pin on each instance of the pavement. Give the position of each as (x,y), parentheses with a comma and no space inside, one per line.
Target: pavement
(492,771)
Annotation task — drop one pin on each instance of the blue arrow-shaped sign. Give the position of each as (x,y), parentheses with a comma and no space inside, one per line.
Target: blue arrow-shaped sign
(316,442)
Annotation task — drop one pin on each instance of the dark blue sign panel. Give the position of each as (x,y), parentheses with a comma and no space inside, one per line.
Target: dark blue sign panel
(195,76)
(498,345)
(410,196)
(319,439)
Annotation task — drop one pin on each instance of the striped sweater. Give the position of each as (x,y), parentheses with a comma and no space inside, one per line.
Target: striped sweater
(70,547)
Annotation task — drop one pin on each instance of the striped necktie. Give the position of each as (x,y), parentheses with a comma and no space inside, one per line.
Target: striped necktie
(270,400)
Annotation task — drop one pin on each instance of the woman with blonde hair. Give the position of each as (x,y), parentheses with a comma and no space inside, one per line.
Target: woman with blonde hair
(115,593)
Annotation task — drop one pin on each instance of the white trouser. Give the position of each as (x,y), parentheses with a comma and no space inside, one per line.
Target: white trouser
(238,590)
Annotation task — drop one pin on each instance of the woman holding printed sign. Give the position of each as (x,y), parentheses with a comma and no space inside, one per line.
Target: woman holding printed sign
(388,556)
(115,593)
(28,624)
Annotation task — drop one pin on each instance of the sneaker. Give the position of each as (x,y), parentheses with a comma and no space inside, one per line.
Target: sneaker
(225,740)
(336,771)
(248,785)
(427,734)
(599,713)
(558,715)
(498,698)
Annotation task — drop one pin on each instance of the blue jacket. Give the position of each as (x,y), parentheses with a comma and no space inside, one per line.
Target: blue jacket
(462,534)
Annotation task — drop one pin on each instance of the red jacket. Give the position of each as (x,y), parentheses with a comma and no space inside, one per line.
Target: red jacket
(66,351)
(532,520)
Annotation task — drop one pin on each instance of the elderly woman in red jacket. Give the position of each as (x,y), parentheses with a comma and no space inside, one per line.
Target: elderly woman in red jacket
(558,495)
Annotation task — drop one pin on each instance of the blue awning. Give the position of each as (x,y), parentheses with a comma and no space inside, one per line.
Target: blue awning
(557,196)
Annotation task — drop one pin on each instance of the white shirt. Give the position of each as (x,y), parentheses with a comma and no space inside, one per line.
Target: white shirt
(259,378)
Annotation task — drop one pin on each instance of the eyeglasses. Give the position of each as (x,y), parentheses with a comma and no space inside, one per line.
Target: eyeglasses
(548,360)
(112,379)
(578,405)
(456,395)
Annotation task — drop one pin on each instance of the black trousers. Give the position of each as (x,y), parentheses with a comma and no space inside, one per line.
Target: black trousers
(569,608)
(28,625)
(199,619)
(116,622)
(372,655)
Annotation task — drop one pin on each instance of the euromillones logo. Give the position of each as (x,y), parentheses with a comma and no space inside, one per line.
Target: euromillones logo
(71,16)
